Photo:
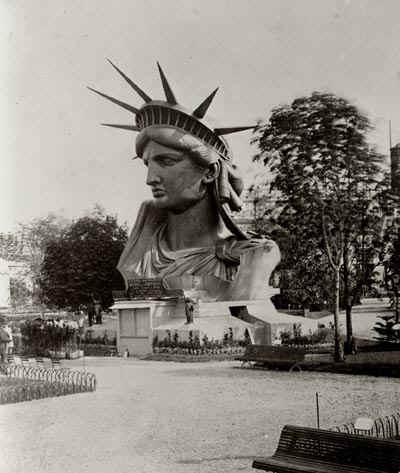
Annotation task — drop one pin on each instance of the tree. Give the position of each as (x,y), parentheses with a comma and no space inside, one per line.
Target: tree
(326,173)
(20,294)
(34,237)
(304,267)
(80,265)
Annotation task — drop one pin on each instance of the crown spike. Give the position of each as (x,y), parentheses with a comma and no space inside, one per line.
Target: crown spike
(201,110)
(167,89)
(227,131)
(122,127)
(135,87)
(124,105)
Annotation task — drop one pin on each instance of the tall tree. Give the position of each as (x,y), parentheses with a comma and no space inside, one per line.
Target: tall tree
(326,173)
(33,238)
(80,266)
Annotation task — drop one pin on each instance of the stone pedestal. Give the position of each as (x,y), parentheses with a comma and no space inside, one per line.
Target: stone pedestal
(141,320)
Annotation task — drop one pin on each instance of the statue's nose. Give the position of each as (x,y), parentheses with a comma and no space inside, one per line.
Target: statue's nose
(152,175)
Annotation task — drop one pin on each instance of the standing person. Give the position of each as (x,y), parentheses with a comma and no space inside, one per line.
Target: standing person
(97,310)
(91,313)
(189,310)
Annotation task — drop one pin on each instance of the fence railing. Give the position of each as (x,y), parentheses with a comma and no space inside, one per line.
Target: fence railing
(387,427)
(35,382)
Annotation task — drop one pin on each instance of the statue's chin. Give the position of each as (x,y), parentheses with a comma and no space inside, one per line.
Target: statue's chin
(174,207)
(160,203)
(164,203)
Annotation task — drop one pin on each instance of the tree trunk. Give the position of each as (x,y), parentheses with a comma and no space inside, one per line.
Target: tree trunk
(338,347)
(348,299)
(335,265)
(349,325)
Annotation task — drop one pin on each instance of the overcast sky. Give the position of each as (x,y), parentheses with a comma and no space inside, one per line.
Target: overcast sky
(56,158)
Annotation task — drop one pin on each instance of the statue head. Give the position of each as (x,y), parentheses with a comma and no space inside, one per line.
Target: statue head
(180,170)
(186,158)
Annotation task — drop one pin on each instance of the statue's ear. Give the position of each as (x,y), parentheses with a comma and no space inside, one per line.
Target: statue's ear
(211,174)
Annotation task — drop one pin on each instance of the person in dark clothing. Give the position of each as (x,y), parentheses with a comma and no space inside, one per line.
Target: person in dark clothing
(189,310)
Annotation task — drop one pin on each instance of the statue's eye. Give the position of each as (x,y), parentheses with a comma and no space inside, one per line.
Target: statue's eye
(165,161)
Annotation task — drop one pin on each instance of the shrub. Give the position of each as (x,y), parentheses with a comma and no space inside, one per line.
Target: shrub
(40,336)
(322,335)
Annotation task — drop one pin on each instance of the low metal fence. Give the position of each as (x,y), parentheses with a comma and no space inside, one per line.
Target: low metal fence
(36,382)
(387,427)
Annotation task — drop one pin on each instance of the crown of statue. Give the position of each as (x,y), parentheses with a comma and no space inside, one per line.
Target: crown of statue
(170,114)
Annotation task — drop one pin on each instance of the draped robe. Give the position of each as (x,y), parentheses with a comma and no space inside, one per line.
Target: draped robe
(146,254)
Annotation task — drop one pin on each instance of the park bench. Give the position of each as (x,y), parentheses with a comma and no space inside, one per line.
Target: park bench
(308,450)
(280,356)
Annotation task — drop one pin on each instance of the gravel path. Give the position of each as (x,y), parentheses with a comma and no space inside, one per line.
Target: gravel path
(171,417)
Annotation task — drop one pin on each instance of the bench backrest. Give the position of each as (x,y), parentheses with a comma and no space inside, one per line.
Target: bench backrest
(340,448)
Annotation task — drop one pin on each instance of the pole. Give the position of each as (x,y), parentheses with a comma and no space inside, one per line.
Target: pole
(390,135)
(317,403)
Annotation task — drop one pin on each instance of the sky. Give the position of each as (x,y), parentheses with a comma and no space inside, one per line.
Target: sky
(261,53)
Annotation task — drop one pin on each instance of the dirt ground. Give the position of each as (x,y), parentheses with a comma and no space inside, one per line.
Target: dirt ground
(162,417)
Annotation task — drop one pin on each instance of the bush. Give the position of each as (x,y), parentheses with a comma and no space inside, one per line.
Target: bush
(38,337)
(99,340)
(323,335)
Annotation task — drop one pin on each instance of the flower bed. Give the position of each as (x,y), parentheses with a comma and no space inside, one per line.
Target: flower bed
(193,346)
(188,358)
(196,353)
(97,349)
(230,351)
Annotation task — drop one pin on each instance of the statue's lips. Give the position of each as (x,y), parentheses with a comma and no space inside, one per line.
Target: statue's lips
(158,192)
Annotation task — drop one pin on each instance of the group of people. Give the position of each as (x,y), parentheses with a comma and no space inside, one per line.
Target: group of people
(94,313)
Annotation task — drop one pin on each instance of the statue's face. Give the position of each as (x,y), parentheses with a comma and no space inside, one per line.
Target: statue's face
(177,182)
